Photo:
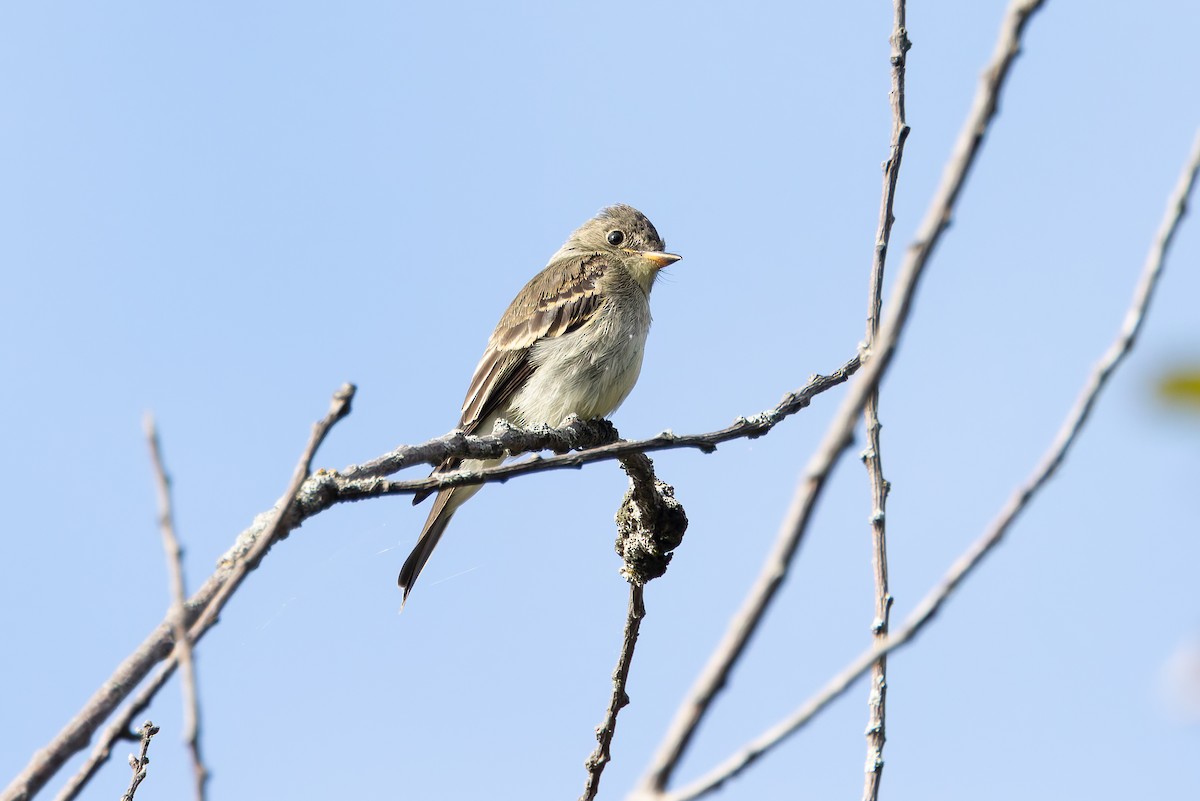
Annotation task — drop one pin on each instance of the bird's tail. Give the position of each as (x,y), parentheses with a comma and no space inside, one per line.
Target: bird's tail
(444,507)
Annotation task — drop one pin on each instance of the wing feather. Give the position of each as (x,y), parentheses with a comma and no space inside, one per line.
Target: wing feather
(562,298)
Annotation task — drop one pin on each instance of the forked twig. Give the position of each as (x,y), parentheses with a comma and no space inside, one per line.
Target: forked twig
(216,593)
(139,761)
(328,488)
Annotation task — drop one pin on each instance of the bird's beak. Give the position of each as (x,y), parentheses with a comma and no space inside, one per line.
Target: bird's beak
(658,258)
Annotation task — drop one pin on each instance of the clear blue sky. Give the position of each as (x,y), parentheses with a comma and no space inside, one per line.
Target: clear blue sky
(221,211)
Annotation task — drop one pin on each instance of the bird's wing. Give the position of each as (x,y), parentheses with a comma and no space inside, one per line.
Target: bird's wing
(561,299)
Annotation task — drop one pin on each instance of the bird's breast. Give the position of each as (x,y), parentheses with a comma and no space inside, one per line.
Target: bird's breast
(589,371)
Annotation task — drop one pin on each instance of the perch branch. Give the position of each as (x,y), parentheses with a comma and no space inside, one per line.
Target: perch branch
(325,489)
(596,437)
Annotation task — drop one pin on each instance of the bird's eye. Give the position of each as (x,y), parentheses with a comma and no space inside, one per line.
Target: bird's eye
(615,238)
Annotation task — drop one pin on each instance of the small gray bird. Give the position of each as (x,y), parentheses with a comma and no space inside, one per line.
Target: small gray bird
(571,342)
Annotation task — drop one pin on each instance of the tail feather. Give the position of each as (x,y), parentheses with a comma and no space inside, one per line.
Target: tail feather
(444,507)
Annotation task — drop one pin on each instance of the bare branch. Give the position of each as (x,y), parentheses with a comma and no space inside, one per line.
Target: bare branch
(177,615)
(745,622)
(327,488)
(277,523)
(117,729)
(650,526)
(139,762)
(873,455)
(202,610)
(1020,499)
(619,699)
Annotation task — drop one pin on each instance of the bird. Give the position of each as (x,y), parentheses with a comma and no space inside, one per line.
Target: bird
(570,343)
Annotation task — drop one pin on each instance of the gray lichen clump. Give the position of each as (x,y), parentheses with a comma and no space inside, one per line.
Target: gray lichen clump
(650,526)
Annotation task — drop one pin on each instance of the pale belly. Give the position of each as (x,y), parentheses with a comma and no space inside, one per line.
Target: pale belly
(588,381)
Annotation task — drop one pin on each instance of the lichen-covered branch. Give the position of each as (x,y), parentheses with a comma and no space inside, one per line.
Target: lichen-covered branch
(201,613)
(650,526)
(591,441)
(324,489)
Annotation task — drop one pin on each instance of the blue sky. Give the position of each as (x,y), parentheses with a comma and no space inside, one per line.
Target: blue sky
(220,212)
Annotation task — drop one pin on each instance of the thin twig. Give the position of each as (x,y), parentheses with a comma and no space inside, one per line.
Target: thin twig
(619,699)
(277,524)
(873,455)
(327,488)
(139,762)
(203,610)
(1020,499)
(117,729)
(715,674)
(650,526)
(177,615)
